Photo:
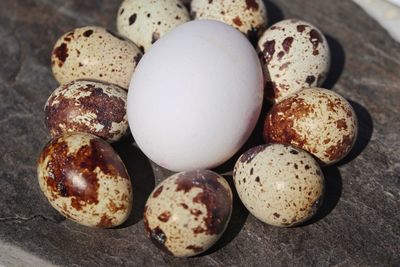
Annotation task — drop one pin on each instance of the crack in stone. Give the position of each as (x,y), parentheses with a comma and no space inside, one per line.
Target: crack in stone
(19,219)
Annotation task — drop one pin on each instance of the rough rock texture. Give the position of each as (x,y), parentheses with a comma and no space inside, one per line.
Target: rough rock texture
(359,222)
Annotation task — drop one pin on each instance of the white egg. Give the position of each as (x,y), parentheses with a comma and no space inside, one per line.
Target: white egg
(196,96)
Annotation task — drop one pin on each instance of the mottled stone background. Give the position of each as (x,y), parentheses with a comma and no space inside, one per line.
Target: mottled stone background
(360,220)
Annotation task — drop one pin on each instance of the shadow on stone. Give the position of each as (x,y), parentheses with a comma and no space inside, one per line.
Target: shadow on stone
(365,130)
(274,13)
(141,174)
(235,225)
(338,59)
(333,191)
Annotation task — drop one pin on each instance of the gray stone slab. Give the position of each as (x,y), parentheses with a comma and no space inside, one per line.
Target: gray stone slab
(358,225)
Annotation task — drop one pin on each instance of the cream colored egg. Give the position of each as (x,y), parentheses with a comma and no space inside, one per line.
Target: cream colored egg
(188,212)
(248,16)
(145,21)
(88,106)
(94,53)
(295,55)
(316,120)
(280,185)
(85,180)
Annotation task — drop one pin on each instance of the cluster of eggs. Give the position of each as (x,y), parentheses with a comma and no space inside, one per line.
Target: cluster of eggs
(191,104)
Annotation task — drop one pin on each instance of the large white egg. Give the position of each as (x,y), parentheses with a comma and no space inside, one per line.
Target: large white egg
(195,96)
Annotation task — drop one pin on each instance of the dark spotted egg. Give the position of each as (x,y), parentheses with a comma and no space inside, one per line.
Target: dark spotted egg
(316,120)
(94,53)
(295,55)
(188,212)
(145,21)
(85,180)
(279,184)
(88,106)
(248,16)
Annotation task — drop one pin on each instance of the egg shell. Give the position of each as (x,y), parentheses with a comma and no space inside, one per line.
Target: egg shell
(196,96)
(316,120)
(248,16)
(87,106)
(145,21)
(94,53)
(188,212)
(295,55)
(279,184)
(85,180)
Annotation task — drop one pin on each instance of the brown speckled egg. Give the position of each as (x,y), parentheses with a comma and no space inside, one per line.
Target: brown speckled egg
(295,55)
(248,16)
(317,120)
(94,53)
(188,212)
(87,106)
(279,184)
(85,180)
(145,21)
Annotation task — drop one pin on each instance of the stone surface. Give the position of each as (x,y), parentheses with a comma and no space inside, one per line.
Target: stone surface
(359,222)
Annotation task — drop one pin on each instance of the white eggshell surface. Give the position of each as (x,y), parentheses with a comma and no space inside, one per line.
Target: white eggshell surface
(195,96)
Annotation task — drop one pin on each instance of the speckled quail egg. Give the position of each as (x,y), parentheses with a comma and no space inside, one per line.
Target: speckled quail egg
(188,212)
(88,106)
(85,180)
(317,120)
(248,16)
(279,184)
(145,21)
(94,53)
(295,55)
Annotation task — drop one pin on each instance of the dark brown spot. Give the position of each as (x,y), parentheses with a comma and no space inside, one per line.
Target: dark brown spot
(87,33)
(296,166)
(277,215)
(122,11)
(196,212)
(251,171)
(315,39)
(280,55)
(114,208)
(214,196)
(310,80)
(237,21)
(252,4)
(287,44)
(307,167)
(257,179)
(155,36)
(301,28)
(294,152)
(268,51)
(249,155)
(340,149)
(132,19)
(196,249)
(164,217)
(341,124)
(158,237)
(184,206)
(105,222)
(61,52)
(158,191)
